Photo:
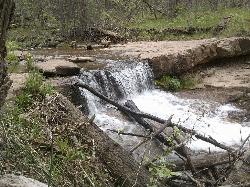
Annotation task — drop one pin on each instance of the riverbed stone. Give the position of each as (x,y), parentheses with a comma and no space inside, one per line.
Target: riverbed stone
(81,59)
(58,67)
(11,180)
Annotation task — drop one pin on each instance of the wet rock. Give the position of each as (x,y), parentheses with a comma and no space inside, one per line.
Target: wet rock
(58,67)
(19,181)
(81,59)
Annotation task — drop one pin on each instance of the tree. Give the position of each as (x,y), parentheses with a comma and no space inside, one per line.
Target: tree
(6,12)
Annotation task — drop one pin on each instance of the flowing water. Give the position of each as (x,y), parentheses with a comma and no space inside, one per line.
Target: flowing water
(133,80)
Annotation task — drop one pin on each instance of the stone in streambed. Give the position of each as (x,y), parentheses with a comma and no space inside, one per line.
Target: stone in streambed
(58,67)
(81,59)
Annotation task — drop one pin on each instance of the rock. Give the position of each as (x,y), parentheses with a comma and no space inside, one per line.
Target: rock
(58,67)
(67,70)
(18,82)
(21,55)
(81,59)
(19,181)
(177,57)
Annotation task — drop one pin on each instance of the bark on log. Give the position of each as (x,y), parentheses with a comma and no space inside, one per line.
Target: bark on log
(119,162)
(203,161)
(6,12)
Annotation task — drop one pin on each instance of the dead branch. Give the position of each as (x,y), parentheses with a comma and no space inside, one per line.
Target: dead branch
(154,118)
(154,135)
(128,134)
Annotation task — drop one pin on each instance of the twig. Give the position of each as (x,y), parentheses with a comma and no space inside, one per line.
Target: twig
(128,134)
(154,135)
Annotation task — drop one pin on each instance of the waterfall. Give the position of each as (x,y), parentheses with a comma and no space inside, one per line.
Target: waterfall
(122,80)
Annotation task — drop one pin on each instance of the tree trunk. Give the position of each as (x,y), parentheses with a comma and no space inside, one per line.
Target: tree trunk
(6,12)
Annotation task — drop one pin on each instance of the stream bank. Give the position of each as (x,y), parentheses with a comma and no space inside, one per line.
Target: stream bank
(121,78)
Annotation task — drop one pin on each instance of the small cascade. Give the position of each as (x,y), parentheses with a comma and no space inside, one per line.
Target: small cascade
(123,80)
(120,79)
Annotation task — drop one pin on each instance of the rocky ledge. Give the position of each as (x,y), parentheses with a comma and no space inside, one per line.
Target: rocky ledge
(58,67)
(176,57)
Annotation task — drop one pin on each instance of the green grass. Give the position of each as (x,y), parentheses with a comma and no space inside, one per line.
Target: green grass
(38,146)
(239,24)
(172,83)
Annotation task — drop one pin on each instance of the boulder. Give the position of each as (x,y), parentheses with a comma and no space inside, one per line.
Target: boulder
(19,181)
(58,67)
(81,59)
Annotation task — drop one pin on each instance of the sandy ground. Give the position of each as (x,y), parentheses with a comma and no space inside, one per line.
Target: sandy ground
(227,74)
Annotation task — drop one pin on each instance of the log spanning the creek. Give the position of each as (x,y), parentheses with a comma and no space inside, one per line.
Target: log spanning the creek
(158,134)
(156,119)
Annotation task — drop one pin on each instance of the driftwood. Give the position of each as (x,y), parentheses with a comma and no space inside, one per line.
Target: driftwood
(204,170)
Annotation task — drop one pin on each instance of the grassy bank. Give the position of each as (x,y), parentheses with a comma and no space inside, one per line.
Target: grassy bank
(205,21)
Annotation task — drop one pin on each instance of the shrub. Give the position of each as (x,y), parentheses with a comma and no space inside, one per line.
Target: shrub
(35,89)
(169,83)
(13,61)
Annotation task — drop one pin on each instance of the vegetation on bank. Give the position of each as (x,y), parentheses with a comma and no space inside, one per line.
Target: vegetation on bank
(173,83)
(197,24)
(42,24)
(34,147)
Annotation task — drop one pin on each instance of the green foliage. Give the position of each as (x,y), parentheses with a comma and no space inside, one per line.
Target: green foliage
(172,83)
(11,58)
(29,62)
(169,83)
(33,148)
(12,46)
(13,61)
(239,24)
(35,90)
(159,172)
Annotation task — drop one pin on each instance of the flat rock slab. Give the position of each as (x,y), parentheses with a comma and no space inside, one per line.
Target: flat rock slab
(19,181)
(58,67)
(177,57)
(81,59)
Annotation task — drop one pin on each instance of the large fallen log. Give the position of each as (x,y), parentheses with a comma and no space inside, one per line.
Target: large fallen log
(120,163)
(203,161)
(182,150)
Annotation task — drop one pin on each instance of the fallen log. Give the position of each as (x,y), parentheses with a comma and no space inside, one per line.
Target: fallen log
(182,150)
(203,161)
(154,118)
(120,164)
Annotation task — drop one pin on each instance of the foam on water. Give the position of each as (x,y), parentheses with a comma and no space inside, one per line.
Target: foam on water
(134,81)
(206,122)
